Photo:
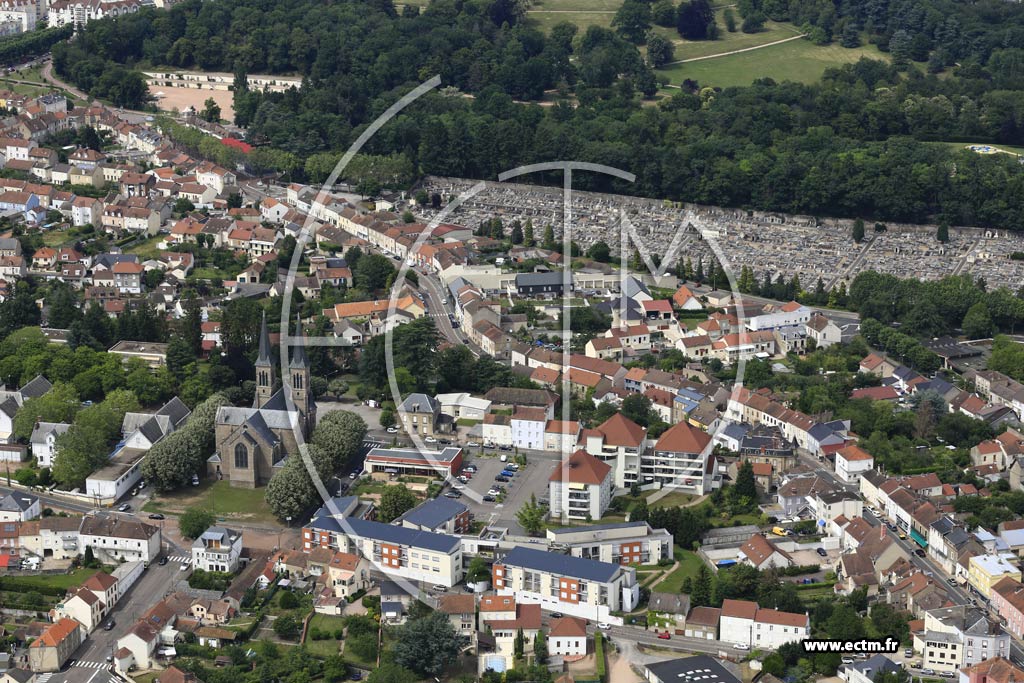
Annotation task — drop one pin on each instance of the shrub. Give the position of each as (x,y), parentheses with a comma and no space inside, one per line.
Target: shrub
(288,600)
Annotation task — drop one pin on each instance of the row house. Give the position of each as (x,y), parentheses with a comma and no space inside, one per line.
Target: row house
(745,623)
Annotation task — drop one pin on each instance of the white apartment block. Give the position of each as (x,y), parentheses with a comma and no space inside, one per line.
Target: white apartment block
(561,583)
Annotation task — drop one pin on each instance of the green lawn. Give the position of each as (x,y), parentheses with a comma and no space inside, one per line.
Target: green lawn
(61,581)
(323,622)
(669,500)
(797,60)
(146,249)
(545,20)
(689,565)
(224,500)
(727,42)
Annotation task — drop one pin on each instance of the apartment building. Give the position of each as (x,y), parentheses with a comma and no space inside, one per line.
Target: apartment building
(853,461)
(580,487)
(621,543)
(621,443)
(114,538)
(682,459)
(561,583)
(1007,599)
(955,637)
(416,555)
(984,571)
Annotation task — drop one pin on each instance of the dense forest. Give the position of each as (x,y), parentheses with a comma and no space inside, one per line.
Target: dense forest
(865,141)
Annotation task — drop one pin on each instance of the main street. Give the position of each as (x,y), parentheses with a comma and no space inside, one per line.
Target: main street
(90,660)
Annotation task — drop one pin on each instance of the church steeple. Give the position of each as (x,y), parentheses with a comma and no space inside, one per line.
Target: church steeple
(299,370)
(264,367)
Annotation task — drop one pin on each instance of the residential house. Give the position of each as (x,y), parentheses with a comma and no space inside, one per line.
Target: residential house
(49,652)
(218,549)
(581,487)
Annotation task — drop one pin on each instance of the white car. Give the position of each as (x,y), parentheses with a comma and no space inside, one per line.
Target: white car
(430,439)
(741,646)
(458,487)
(184,566)
(392,430)
(603,626)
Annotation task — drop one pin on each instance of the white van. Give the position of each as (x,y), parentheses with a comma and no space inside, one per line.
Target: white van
(504,458)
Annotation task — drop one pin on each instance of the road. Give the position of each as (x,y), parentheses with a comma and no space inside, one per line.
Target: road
(641,636)
(437,301)
(90,660)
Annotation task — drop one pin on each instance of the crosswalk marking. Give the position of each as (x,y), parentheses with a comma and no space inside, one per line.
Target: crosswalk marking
(179,558)
(43,678)
(90,665)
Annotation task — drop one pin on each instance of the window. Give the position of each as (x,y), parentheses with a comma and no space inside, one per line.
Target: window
(241,456)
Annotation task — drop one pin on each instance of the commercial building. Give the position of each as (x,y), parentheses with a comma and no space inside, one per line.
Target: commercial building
(383,463)
(561,583)
(696,669)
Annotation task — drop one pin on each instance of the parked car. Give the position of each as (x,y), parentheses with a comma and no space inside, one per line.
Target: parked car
(163,561)
(156,515)
(508,473)
(488,498)
(184,566)
(429,439)
(392,430)
(109,626)
(453,494)
(741,646)
(603,626)
(472,444)
(557,615)
(822,552)
(847,660)
(927,672)
(919,552)
(501,478)
(195,480)
(458,487)
(908,653)
(664,635)
(125,507)
(470,468)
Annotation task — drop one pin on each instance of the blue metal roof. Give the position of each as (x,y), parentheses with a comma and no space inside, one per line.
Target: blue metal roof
(400,535)
(561,565)
(434,512)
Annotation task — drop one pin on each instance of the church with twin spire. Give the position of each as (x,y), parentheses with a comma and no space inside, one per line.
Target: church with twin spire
(253,443)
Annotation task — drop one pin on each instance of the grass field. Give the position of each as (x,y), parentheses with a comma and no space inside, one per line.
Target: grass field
(324,622)
(146,249)
(689,565)
(727,42)
(225,501)
(798,60)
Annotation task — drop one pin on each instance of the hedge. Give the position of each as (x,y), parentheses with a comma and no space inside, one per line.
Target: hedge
(602,672)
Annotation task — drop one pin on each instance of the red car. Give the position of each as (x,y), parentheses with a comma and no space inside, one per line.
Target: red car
(664,636)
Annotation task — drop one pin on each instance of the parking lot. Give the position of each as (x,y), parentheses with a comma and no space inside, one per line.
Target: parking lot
(531,478)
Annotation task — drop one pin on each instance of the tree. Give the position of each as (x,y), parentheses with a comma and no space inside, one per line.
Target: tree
(394,502)
(639,409)
(182,205)
(858,231)
(427,645)
(194,521)
(531,516)
(730,20)
(288,600)
(977,323)
(340,433)
(286,627)
(745,485)
(659,50)
(373,272)
(291,491)
(516,236)
(851,36)
(632,20)
(519,645)
(693,19)
(477,570)
(528,233)
(540,648)
(59,404)
(174,459)
(753,23)
(599,250)
(211,110)
(389,672)
(549,237)
(702,587)
(942,232)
